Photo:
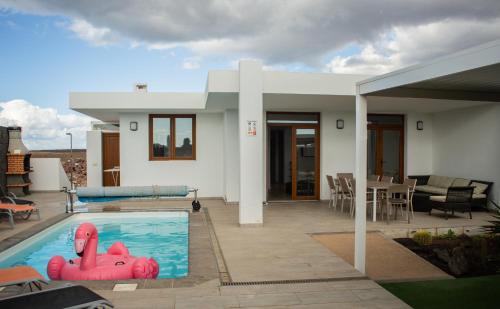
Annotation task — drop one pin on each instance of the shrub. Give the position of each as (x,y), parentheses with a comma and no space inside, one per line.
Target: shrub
(423,238)
(448,235)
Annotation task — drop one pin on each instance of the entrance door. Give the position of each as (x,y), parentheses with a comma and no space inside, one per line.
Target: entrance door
(110,159)
(386,146)
(293,156)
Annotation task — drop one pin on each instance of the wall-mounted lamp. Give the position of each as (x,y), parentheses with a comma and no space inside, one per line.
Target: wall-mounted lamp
(340,124)
(420,125)
(133,126)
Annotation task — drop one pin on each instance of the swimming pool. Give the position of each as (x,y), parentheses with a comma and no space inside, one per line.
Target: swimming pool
(161,235)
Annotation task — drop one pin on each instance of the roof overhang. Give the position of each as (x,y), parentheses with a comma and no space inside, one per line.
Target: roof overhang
(471,75)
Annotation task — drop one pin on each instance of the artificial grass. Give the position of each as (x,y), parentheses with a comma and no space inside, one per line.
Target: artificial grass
(476,292)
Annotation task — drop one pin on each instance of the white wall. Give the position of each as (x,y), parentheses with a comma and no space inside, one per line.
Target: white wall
(48,175)
(94,158)
(467,144)
(205,173)
(231,157)
(418,145)
(338,147)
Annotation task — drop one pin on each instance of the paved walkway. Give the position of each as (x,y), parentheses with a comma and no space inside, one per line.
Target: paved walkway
(386,260)
(328,295)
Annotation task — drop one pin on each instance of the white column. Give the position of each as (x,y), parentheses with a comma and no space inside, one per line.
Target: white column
(250,108)
(360,174)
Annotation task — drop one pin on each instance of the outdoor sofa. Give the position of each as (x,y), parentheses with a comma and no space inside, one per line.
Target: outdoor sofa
(432,185)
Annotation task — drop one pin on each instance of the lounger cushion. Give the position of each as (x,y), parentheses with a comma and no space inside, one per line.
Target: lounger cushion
(440,181)
(477,196)
(479,187)
(431,189)
(460,182)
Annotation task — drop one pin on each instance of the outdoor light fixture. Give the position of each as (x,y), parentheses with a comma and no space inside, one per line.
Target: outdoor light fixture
(133,126)
(340,124)
(420,125)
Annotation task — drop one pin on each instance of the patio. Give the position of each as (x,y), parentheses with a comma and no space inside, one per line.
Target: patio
(282,250)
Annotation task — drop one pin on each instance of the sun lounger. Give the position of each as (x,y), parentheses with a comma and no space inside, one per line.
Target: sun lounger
(23,276)
(11,198)
(25,211)
(72,296)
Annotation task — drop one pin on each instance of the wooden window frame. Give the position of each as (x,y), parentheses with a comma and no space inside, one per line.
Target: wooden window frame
(172,156)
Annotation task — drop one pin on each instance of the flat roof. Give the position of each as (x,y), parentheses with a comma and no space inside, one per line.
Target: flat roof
(472,74)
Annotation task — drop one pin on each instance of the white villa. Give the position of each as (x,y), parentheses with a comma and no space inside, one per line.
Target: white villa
(255,136)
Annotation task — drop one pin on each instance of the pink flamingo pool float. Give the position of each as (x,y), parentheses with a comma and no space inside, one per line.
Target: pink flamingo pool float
(115,264)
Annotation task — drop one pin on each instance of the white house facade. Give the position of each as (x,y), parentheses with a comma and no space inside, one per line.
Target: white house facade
(255,136)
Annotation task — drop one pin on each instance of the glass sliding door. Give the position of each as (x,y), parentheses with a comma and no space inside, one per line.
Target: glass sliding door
(293,156)
(385,155)
(391,149)
(305,140)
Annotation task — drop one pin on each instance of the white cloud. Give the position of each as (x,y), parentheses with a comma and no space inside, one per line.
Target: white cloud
(279,32)
(403,46)
(44,128)
(91,34)
(191,63)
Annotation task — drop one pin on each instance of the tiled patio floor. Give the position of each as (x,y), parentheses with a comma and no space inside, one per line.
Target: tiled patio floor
(282,249)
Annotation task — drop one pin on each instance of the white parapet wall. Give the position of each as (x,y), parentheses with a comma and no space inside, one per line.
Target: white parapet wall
(48,175)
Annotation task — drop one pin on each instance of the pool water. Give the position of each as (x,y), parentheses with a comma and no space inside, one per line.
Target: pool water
(160,235)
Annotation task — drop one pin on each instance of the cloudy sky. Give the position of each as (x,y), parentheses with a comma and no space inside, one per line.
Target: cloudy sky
(52,47)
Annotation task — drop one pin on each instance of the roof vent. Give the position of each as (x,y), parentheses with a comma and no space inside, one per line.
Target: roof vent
(141,87)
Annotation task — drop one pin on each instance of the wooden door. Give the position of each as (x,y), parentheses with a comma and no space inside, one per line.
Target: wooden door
(110,158)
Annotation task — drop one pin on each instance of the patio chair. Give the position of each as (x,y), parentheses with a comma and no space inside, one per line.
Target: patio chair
(24,211)
(457,198)
(333,191)
(411,183)
(347,193)
(374,177)
(351,185)
(11,198)
(387,179)
(68,296)
(345,175)
(23,276)
(397,195)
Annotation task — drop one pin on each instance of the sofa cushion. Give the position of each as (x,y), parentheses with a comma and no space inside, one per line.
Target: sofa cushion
(431,189)
(479,187)
(438,198)
(460,182)
(477,196)
(440,181)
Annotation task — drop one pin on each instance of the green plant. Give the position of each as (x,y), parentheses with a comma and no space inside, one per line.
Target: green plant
(448,235)
(494,227)
(423,238)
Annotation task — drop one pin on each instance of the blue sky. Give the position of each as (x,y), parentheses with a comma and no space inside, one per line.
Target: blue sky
(42,62)
(50,48)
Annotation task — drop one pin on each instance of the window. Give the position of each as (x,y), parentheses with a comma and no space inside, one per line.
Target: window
(172,137)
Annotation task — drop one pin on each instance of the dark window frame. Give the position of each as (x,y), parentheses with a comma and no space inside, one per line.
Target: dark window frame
(172,156)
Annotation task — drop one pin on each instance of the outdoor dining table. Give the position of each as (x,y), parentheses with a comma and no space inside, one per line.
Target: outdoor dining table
(375,186)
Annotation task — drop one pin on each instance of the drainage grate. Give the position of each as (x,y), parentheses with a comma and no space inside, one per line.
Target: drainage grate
(298,281)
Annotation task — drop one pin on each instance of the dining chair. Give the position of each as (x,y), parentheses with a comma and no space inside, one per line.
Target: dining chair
(346,193)
(374,177)
(387,179)
(397,195)
(411,183)
(333,192)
